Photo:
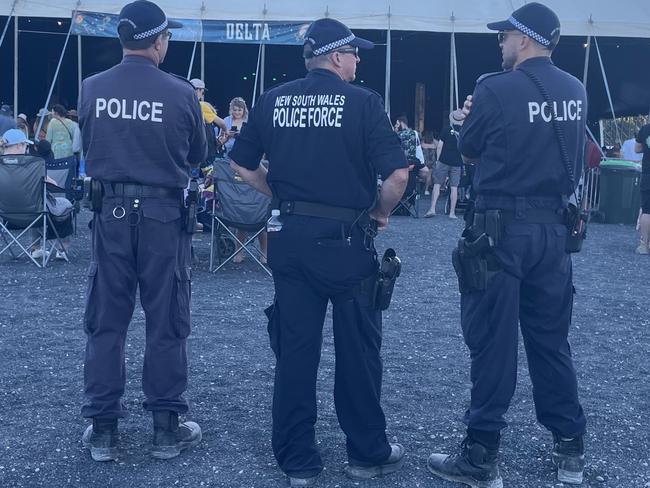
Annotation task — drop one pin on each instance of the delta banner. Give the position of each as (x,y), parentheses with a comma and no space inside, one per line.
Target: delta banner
(195,30)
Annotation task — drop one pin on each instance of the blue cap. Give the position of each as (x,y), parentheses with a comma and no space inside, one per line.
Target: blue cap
(535,20)
(14,136)
(142,19)
(326,35)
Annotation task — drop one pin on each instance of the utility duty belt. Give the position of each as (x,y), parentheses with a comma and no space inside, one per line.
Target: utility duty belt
(95,190)
(311,209)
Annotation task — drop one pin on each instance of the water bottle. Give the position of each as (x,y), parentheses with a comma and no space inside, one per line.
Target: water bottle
(274,224)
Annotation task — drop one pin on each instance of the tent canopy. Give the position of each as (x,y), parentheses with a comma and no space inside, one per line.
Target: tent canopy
(622,18)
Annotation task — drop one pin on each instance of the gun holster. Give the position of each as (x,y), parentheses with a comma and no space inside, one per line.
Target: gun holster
(473,259)
(191,206)
(93,193)
(576,223)
(389,270)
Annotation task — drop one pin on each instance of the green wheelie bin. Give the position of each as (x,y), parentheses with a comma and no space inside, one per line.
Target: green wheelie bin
(620,199)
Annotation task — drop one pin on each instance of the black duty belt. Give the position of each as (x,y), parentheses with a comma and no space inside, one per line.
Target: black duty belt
(135,190)
(310,209)
(533,216)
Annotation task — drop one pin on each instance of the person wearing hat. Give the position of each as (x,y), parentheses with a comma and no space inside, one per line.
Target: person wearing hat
(524,129)
(6,121)
(142,134)
(14,143)
(210,119)
(449,164)
(326,141)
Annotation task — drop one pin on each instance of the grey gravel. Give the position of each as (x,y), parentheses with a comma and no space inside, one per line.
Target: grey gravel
(426,380)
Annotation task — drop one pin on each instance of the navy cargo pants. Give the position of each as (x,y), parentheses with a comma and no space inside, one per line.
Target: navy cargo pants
(137,244)
(313,263)
(534,291)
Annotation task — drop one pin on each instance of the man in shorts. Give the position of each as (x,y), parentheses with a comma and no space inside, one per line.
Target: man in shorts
(449,164)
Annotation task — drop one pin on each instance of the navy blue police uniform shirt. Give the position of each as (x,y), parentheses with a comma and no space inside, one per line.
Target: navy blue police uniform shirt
(326,140)
(140,125)
(510,129)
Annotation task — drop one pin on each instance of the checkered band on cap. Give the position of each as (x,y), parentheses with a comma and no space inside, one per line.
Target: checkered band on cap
(333,45)
(151,32)
(529,32)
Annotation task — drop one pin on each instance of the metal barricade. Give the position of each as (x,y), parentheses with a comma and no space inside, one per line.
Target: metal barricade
(591,190)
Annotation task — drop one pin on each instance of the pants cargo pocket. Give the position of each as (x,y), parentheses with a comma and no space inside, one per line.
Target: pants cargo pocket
(180,309)
(90,312)
(272,329)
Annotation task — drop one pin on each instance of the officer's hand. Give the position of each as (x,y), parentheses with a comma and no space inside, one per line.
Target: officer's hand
(382,220)
(467,106)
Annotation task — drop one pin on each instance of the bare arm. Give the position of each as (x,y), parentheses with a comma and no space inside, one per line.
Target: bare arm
(439,150)
(256,179)
(638,147)
(220,123)
(391,191)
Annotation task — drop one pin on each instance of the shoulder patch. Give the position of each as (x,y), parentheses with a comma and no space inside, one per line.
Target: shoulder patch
(182,79)
(490,75)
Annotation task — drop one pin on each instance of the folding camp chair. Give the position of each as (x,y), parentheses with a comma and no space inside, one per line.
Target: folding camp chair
(408,204)
(64,172)
(235,205)
(23,207)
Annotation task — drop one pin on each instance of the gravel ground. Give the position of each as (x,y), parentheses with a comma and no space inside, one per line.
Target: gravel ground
(426,381)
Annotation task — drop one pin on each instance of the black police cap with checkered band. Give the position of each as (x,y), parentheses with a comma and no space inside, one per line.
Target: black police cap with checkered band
(327,35)
(535,20)
(143,19)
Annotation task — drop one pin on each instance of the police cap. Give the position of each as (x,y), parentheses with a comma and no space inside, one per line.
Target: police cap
(141,20)
(535,20)
(326,35)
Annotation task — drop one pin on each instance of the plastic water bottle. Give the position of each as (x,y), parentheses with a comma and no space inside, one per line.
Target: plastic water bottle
(274,224)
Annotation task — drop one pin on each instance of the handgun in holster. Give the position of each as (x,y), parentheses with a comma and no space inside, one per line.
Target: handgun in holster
(473,259)
(389,269)
(191,206)
(93,193)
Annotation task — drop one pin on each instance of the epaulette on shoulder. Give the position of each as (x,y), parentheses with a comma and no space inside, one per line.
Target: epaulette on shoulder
(485,76)
(182,78)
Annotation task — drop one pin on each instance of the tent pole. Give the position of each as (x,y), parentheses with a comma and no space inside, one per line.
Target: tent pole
(388,56)
(56,73)
(79,64)
(189,70)
(609,94)
(587,53)
(6,27)
(451,72)
(263,68)
(257,75)
(16,66)
(203,61)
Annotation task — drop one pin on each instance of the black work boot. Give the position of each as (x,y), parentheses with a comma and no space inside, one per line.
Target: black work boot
(171,438)
(101,439)
(569,457)
(475,465)
(394,463)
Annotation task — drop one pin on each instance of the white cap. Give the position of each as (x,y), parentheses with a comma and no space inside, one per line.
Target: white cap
(197,83)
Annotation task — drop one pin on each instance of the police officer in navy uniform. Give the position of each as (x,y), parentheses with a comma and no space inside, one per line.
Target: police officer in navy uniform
(326,141)
(522,183)
(142,131)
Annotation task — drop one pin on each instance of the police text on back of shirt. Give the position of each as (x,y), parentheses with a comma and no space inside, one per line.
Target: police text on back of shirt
(308,110)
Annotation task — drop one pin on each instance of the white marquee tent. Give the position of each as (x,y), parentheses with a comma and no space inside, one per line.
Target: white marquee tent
(621,18)
(588,18)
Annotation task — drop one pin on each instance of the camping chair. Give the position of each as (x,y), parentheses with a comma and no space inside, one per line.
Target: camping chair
(408,204)
(235,205)
(23,207)
(64,172)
